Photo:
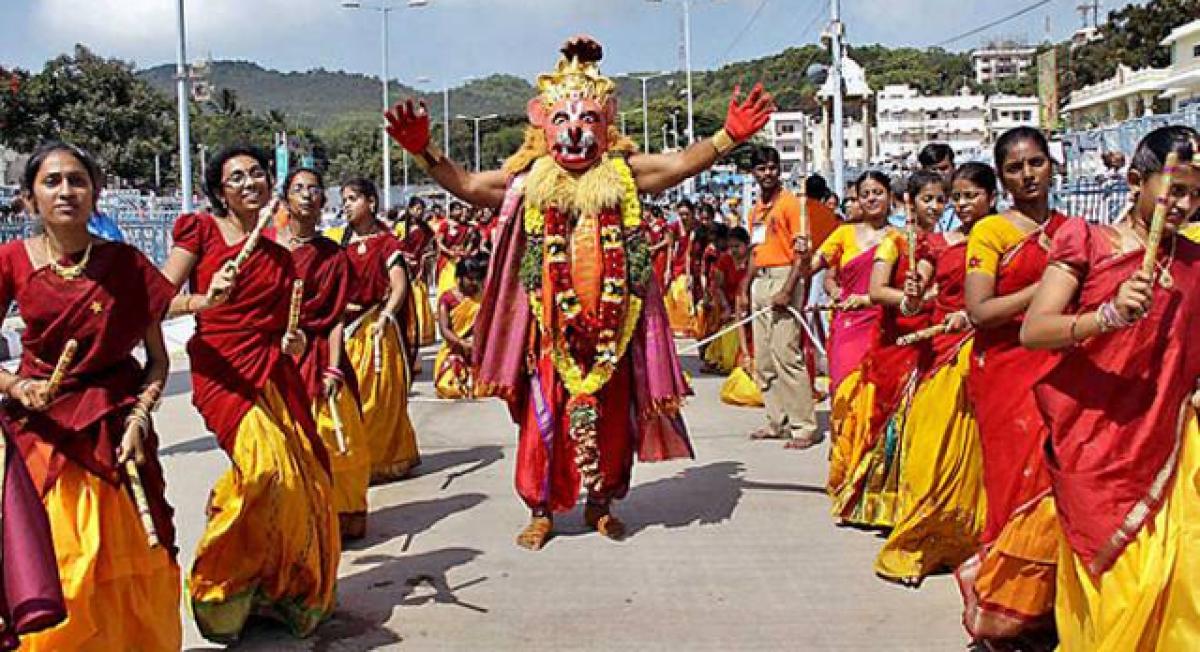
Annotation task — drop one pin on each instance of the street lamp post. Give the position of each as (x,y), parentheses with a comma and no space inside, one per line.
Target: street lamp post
(384,9)
(477,120)
(645,79)
(185,138)
(839,139)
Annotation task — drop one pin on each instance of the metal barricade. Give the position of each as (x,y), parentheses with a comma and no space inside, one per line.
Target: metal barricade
(150,233)
(1097,201)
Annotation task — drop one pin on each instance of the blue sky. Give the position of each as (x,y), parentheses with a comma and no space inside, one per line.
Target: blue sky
(449,40)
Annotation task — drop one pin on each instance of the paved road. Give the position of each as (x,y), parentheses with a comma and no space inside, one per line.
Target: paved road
(732,551)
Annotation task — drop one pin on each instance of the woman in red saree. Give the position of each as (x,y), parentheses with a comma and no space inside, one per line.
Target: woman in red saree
(81,441)
(271,546)
(416,236)
(875,418)
(329,379)
(1124,449)
(1008,587)
(456,239)
(381,333)
(939,503)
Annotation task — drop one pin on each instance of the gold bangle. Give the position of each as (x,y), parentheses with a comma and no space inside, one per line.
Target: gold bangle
(429,157)
(723,142)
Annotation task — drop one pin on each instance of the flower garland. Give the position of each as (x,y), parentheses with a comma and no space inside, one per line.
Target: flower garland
(624,254)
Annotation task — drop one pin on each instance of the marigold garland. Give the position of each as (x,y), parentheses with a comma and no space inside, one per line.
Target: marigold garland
(625,268)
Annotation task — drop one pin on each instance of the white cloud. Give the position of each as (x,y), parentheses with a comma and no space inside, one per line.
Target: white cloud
(146,29)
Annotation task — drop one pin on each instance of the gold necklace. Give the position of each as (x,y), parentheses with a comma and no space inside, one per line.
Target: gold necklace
(1164,273)
(67,272)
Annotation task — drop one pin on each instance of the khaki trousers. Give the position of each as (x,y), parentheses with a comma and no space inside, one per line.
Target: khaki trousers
(779,358)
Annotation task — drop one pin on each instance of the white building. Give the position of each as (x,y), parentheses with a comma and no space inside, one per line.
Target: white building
(1001,61)
(1134,93)
(788,133)
(908,120)
(1009,111)
(1182,85)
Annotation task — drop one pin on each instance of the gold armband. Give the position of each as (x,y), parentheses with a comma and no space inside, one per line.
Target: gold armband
(429,158)
(723,142)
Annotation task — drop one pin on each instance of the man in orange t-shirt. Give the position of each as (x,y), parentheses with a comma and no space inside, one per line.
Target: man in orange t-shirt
(774,283)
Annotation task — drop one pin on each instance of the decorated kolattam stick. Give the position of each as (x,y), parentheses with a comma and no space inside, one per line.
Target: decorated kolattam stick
(338,430)
(143,505)
(264,220)
(1154,236)
(60,369)
(921,335)
(294,310)
(804,207)
(910,232)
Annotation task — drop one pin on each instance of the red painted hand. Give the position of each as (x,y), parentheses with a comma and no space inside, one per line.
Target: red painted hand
(408,125)
(744,119)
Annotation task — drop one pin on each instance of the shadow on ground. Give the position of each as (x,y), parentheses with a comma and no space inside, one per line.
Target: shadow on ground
(407,520)
(478,457)
(699,495)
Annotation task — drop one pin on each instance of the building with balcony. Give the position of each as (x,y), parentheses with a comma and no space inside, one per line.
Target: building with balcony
(1135,93)
(1001,61)
(907,120)
(1182,84)
(1006,112)
(788,132)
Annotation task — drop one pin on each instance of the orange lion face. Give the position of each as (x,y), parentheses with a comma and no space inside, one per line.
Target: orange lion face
(576,129)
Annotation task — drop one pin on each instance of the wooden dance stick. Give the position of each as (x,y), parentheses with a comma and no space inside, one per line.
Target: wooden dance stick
(143,504)
(821,307)
(338,430)
(264,220)
(804,207)
(60,369)
(910,232)
(921,335)
(294,310)
(1154,236)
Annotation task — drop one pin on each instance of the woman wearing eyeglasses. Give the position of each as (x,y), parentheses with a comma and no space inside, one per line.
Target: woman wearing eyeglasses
(271,546)
(940,502)
(328,279)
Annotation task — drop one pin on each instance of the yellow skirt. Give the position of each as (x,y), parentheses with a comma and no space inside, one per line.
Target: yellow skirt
(384,394)
(722,353)
(680,311)
(849,424)
(740,389)
(940,506)
(447,279)
(352,467)
(426,322)
(271,546)
(863,480)
(451,381)
(121,594)
(1150,598)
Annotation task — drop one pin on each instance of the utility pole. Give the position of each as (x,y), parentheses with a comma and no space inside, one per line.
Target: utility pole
(182,82)
(839,139)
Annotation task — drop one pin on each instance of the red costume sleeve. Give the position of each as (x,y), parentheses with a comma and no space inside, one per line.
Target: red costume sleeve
(188,233)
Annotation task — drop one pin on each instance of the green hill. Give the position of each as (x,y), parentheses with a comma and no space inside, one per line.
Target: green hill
(319,97)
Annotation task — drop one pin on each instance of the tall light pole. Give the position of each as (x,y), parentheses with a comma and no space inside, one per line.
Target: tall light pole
(182,82)
(645,79)
(838,135)
(477,120)
(384,9)
(687,63)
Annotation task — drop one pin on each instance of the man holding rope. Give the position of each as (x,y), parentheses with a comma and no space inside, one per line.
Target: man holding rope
(775,281)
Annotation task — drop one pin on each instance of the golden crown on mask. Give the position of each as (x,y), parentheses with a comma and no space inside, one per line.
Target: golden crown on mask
(577,75)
